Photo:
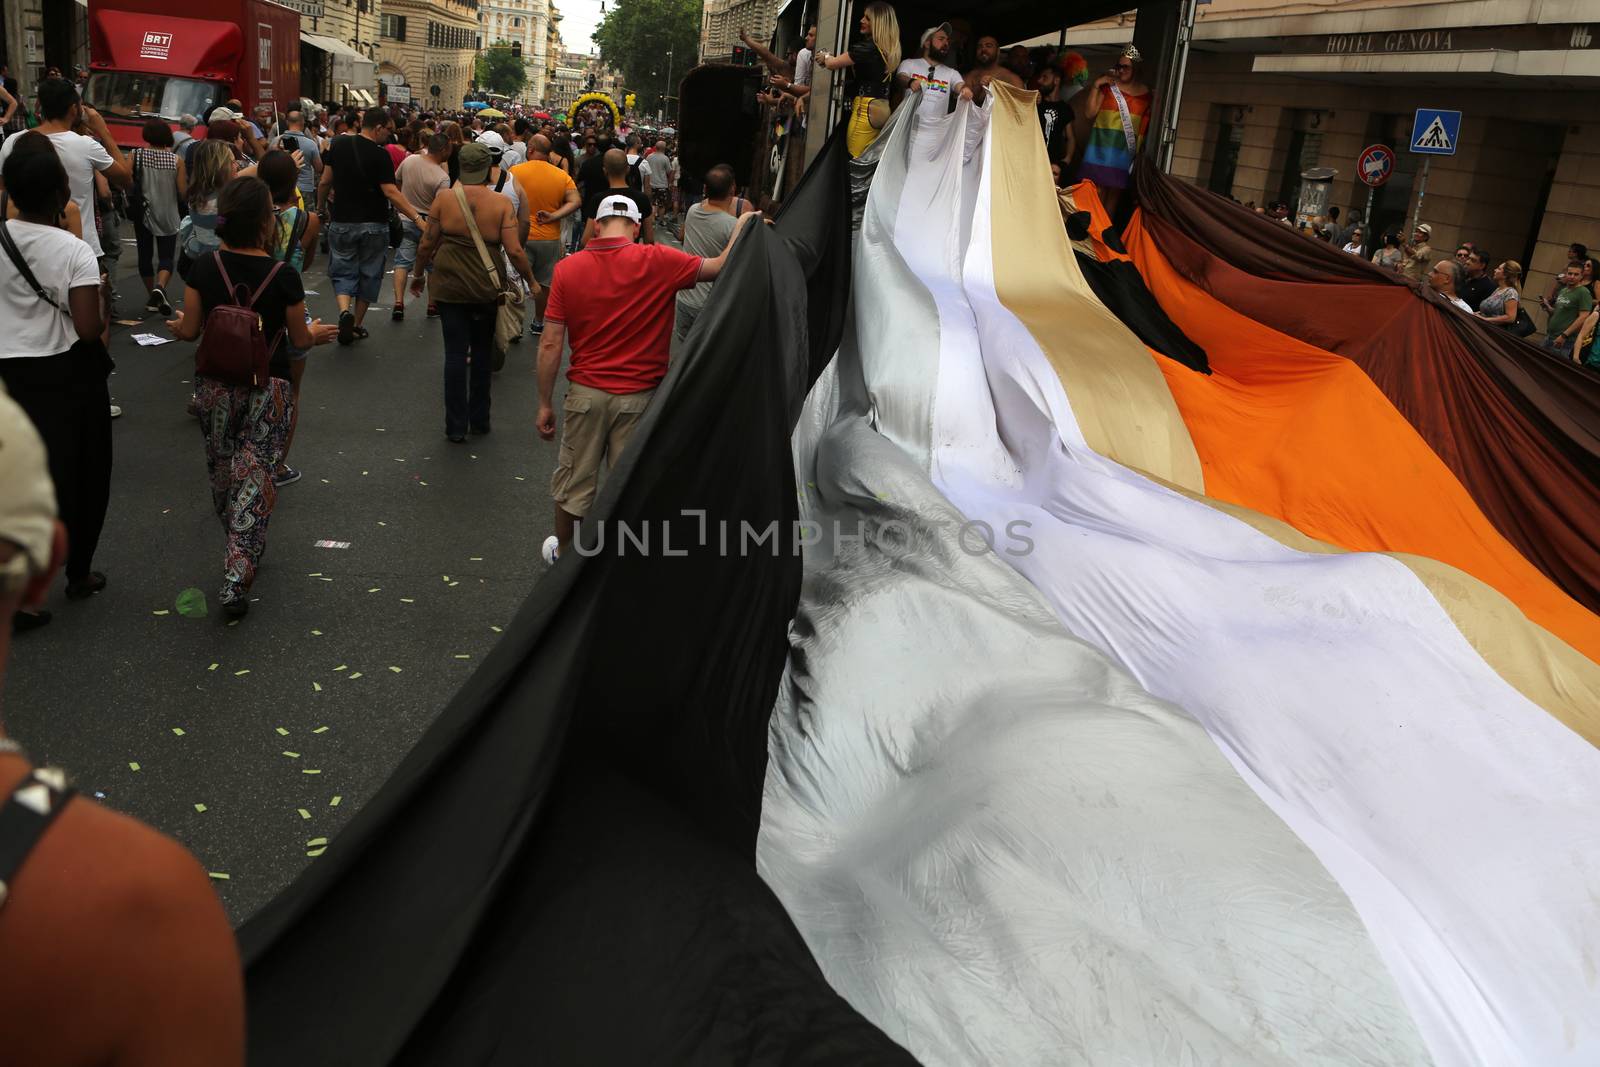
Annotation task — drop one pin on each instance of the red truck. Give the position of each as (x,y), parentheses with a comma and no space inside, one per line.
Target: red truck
(148,61)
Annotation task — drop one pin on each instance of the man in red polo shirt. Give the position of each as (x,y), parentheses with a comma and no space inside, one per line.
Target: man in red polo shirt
(614,302)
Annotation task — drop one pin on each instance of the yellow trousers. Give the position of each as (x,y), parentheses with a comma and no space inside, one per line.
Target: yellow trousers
(860,134)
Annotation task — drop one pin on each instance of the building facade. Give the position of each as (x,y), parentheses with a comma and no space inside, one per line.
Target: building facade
(525,24)
(567,83)
(1274,89)
(721,21)
(430,48)
(338,49)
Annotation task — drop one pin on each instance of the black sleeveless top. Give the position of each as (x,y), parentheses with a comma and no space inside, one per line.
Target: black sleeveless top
(28,812)
(869,74)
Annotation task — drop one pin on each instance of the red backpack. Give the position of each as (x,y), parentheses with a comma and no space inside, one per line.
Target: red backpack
(233,350)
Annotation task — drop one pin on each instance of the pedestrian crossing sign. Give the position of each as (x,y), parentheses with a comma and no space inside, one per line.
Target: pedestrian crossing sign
(1435,132)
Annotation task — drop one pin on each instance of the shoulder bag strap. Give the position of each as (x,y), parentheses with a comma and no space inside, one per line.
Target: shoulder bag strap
(22,264)
(477,237)
(505,172)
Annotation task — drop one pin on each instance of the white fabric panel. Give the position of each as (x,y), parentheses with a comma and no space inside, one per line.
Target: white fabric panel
(1460,818)
(1000,848)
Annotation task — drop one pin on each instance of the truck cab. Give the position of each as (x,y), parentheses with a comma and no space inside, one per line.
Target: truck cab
(147,61)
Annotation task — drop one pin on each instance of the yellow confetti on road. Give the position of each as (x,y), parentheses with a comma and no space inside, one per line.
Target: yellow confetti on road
(316,633)
(474,559)
(422,483)
(382,523)
(218,875)
(463,655)
(375,589)
(320,730)
(133,766)
(497,629)
(341,666)
(519,478)
(395,669)
(334,803)
(292,755)
(315,841)
(281,731)
(314,853)
(213,667)
(407,600)
(304,814)
(200,807)
(308,770)
(354,675)
(446,577)
(314,574)
(241,674)
(178,730)
(454,584)
(324,579)
(163,611)
(316,687)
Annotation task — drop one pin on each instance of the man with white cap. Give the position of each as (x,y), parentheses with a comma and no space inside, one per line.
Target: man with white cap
(940,83)
(116,947)
(1418,256)
(614,302)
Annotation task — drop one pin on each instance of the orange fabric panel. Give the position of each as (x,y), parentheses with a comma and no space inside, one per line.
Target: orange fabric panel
(1086,197)
(1302,434)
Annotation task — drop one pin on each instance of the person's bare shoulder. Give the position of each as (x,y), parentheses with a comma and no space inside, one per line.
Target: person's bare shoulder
(138,940)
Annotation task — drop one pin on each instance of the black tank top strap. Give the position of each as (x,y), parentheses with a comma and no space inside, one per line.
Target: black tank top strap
(28,812)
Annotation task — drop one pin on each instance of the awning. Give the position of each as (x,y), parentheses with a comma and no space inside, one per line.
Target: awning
(350,67)
(164,44)
(331,45)
(363,96)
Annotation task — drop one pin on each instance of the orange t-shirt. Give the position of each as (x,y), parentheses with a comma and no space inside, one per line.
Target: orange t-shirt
(544,187)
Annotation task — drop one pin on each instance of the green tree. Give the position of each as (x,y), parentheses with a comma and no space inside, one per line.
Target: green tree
(498,71)
(635,38)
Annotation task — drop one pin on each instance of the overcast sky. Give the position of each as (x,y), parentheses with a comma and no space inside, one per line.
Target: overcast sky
(578,20)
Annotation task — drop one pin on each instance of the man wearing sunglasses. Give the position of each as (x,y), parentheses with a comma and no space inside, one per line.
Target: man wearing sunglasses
(940,83)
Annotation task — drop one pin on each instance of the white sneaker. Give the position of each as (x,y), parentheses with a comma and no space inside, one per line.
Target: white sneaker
(551,551)
(116,411)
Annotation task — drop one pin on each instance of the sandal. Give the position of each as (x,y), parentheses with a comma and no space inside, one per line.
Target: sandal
(360,333)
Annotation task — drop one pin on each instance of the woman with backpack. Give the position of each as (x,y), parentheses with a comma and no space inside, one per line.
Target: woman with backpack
(251,309)
(159,186)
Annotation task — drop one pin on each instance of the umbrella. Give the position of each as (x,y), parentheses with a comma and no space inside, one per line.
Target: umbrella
(474,105)
(491,113)
(668,131)
(541,114)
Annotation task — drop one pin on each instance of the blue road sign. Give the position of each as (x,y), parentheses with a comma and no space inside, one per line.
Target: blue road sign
(1435,132)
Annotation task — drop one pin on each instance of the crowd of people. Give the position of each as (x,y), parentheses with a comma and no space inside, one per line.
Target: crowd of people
(1092,128)
(1477,283)
(505,226)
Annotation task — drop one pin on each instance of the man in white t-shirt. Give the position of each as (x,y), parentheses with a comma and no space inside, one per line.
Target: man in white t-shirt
(60,111)
(940,82)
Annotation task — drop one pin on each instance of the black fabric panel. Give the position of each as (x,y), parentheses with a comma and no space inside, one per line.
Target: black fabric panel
(562,869)
(1120,287)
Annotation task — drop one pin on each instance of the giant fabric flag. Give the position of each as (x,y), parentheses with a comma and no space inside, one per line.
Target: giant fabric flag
(985,806)
(996,689)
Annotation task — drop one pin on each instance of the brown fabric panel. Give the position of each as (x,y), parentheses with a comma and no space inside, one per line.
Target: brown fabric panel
(1519,428)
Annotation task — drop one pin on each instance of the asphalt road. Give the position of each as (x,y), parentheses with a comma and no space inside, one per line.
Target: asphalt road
(248,741)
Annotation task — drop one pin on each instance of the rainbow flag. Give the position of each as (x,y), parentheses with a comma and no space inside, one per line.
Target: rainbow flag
(1106,158)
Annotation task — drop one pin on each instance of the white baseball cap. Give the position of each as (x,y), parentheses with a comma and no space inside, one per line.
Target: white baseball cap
(492,141)
(618,205)
(220,113)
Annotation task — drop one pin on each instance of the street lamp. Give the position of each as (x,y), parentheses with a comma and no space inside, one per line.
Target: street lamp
(669,80)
